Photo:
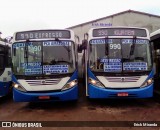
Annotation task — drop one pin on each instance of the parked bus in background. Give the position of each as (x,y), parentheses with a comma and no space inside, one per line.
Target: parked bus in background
(45,66)
(155,41)
(5,68)
(118,63)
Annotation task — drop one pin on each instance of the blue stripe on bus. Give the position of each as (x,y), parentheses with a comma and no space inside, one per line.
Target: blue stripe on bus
(151,75)
(91,75)
(14,79)
(74,76)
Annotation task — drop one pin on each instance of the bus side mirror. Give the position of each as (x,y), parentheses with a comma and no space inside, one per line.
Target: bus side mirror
(83,46)
(79,48)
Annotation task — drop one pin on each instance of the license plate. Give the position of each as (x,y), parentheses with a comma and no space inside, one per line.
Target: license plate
(122,94)
(43,97)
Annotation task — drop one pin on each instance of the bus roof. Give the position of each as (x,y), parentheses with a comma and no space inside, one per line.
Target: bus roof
(154,35)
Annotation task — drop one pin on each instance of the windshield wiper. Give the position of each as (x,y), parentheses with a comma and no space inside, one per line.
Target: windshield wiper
(67,48)
(106,46)
(107,49)
(131,53)
(26,51)
(132,48)
(122,60)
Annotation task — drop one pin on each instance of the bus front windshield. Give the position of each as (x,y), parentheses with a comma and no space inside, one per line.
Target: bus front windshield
(119,55)
(43,57)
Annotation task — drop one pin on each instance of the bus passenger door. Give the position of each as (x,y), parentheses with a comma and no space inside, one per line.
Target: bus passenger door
(156,66)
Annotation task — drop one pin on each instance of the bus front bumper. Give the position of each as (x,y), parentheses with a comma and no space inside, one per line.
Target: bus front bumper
(66,95)
(96,92)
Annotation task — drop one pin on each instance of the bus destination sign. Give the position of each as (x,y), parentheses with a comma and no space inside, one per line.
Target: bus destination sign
(42,34)
(119,32)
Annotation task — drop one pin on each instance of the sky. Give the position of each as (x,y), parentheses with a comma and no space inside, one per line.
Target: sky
(21,15)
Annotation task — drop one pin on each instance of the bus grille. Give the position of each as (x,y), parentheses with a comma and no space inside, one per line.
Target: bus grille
(43,82)
(123,79)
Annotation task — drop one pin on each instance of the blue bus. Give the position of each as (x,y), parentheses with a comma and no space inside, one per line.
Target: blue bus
(155,41)
(5,69)
(45,65)
(118,63)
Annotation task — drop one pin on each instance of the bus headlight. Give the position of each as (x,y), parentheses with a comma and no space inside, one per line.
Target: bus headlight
(95,83)
(18,87)
(70,84)
(147,82)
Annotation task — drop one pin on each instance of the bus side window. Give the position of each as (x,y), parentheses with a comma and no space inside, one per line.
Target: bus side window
(8,57)
(2,62)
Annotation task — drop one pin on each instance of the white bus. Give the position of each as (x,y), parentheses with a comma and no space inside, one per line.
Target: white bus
(118,63)
(45,65)
(5,68)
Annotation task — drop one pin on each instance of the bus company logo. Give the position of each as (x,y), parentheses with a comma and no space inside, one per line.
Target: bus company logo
(6,124)
(43,82)
(122,79)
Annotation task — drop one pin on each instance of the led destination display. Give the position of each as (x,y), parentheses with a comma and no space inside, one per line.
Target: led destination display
(119,32)
(42,34)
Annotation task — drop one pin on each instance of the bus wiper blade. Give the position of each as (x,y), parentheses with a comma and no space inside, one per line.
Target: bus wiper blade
(26,51)
(67,48)
(132,47)
(106,46)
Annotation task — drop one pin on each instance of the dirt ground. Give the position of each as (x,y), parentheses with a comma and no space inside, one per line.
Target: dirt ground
(83,110)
